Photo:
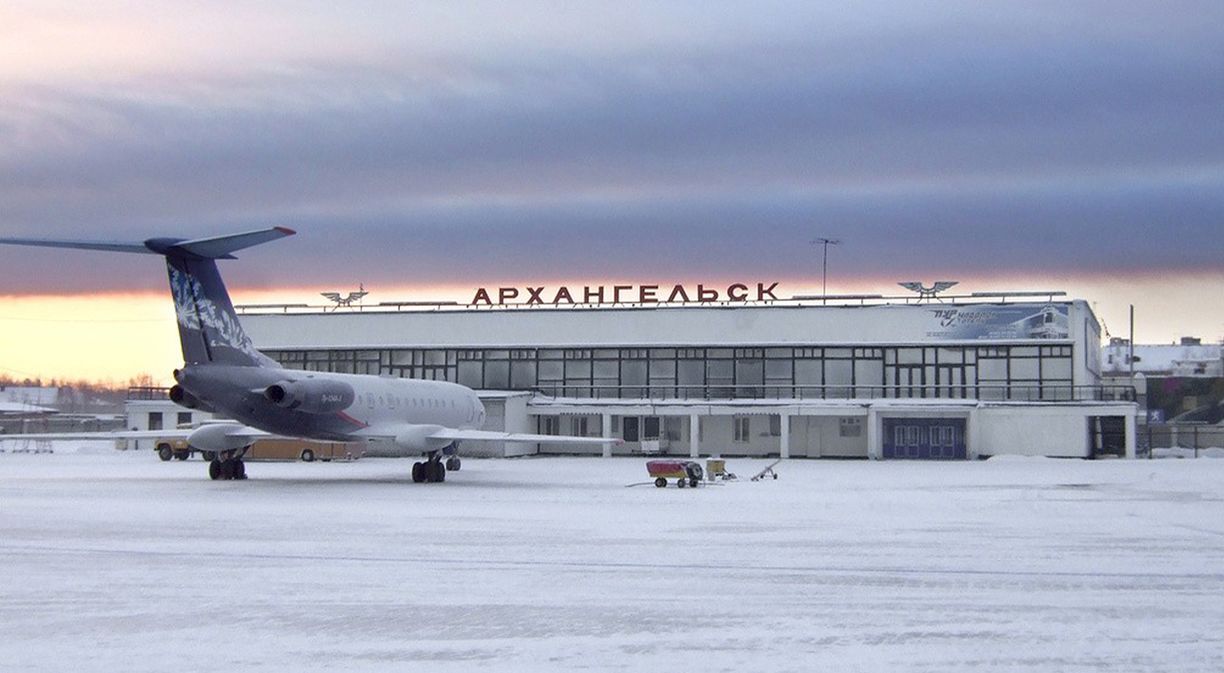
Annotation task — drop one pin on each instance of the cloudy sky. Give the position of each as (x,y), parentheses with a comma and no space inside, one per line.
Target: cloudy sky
(425,149)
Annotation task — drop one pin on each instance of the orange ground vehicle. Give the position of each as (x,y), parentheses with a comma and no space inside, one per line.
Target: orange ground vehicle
(269,449)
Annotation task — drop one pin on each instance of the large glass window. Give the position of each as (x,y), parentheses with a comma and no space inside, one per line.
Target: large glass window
(749,377)
(606,377)
(838,379)
(497,375)
(470,373)
(809,373)
(633,373)
(522,374)
(690,373)
(868,377)
(550,371)
(779,371)
(720,376)
(1056,368)
(662,377)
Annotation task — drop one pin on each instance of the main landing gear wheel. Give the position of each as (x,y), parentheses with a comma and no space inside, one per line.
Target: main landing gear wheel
(229,468)
(430,471)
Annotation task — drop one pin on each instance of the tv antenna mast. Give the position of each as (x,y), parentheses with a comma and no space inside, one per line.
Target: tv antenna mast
(824,266)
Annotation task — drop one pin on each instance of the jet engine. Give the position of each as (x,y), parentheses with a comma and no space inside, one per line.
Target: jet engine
(311,396)
(185,399)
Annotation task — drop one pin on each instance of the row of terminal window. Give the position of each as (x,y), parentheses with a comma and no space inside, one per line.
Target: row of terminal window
(650,428)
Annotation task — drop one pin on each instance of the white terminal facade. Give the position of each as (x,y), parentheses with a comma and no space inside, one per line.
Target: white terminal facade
(838,377)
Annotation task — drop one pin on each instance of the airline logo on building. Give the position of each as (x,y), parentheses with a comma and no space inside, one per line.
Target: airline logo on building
(624,294)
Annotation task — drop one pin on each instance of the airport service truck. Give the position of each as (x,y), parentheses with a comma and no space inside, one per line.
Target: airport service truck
(268,449)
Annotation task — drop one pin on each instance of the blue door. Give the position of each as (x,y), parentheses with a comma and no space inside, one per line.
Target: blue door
(925,438)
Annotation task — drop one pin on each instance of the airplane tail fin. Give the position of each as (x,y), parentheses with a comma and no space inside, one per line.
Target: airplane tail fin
(209,330)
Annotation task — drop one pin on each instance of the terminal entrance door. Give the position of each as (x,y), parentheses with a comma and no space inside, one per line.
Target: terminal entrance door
(925,438)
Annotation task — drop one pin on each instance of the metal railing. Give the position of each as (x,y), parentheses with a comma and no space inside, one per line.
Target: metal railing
(984,393)
(1182,440)
(813,300)
(145,393)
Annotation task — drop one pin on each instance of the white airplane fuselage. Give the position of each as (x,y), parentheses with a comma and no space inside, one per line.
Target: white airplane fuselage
(332,407)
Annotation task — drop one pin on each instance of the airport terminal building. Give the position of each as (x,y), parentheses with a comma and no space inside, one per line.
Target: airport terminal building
(741,372)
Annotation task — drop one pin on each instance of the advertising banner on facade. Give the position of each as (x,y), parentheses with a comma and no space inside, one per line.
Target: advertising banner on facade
(1022,321)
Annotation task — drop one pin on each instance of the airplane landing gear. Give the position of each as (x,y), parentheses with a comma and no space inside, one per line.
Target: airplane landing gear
(230,466)
(430,471)
(453,464)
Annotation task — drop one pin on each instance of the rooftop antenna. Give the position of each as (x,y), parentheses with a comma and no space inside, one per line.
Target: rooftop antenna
(346,301)
(824,267)
(928,293)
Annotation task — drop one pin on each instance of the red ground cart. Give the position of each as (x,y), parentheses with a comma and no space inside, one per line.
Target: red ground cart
(685,472)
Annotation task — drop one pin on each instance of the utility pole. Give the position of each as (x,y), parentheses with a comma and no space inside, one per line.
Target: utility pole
(1130,357)
(824,267)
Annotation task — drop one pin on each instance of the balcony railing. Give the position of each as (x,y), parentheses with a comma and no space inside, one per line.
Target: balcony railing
(148,393)
(985,393)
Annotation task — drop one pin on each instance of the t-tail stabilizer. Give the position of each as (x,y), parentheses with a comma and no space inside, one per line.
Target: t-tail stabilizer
(209,330)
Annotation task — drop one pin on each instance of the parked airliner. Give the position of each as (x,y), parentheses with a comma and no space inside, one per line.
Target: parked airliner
(223,373)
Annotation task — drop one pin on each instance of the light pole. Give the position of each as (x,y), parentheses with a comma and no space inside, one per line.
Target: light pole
(824,267)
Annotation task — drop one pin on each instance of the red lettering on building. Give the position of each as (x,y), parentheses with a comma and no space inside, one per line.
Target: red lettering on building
(589,297)
(626,294)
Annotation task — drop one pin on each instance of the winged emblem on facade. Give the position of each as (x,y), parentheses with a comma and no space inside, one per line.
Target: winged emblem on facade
(925,292)
(343,300)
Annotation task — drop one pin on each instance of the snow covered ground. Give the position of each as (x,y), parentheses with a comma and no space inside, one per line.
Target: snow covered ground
(118,562)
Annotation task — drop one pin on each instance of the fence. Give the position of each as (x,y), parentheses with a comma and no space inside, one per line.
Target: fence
(1185,439)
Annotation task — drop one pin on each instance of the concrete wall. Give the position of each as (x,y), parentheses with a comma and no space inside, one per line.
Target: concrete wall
(718,437)
(1055,431)
(820,437)
(137,413)
(593,328)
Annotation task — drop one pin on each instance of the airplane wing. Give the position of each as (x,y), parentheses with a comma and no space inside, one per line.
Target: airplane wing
(234,431)
(494,436)
(116,434)
(437,436)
